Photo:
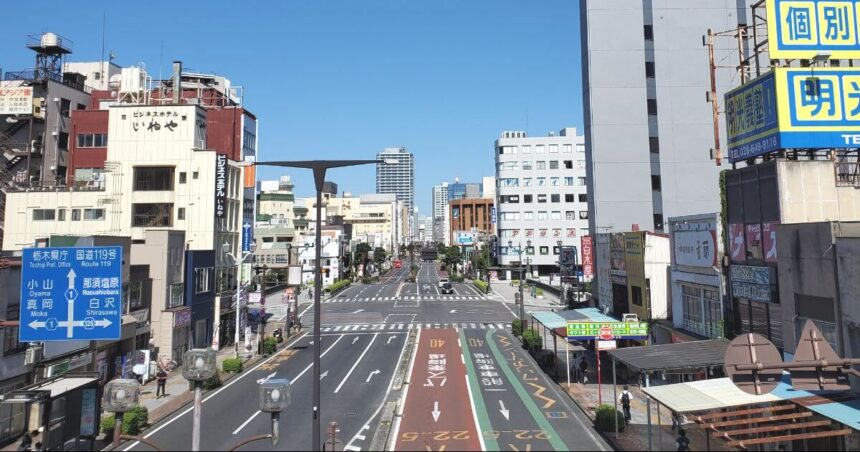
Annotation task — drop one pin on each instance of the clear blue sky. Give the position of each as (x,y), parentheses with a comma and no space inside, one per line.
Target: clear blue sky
(345,79)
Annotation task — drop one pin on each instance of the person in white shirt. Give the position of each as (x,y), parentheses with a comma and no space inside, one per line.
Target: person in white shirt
(625,398)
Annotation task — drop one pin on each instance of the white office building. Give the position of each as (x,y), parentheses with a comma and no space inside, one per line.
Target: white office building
(397,176)
(541,197)
(440,213)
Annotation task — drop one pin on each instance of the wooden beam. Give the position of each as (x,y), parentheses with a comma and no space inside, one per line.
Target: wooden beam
(724,414)
(772,428)
(756,420)
(781,438)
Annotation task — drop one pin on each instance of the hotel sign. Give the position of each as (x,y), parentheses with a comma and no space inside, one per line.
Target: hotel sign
(220,185)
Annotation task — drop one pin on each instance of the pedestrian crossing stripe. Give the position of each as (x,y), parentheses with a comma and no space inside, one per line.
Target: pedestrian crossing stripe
(405,298)
(410,326)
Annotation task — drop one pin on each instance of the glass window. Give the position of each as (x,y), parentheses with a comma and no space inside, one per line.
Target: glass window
(527,198)
(10,333)
(513,199)
(568,181)
(541,165)
(152,215)
(544,250)
(76,214)
(195,175)
(44,214)
(176,295)
(553,181)
(61,215)
(88,140)
(570,215)
(180,213)
(527,165)
(556,215)
(652,107)
(649,32)
(135,295)
(583,214)
(153,178)
(65,107)
(567,149)
(542,215)
(580,148)
(580,181)
(654,145)
(539,149)
(553,149)
(183,177)
(94,214)
(568,197)
(568,164)
(649,69)
(527,182)
(528,215)
(555,197)
(583,197)
(541,198)
(526,149)
(510,149)
(202,280)
(510,182)
(553,164)
(541,181)
(637,295)
(655,183)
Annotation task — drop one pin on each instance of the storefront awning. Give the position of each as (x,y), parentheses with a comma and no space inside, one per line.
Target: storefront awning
(63,385)
(683,356)
(559,319)
(705,395)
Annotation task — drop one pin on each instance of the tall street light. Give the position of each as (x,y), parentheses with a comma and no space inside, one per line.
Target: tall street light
(319,168)
(560,280)
(239,261)
(521,301)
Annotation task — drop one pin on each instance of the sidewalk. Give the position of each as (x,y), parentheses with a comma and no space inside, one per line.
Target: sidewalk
(504,290)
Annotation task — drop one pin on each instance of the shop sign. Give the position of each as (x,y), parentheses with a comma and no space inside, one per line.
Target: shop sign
(750,274)
(755,292)
(802,29)
(587,256)
(220,185)
(737,246)
(16,101)
(182,318)
(619,330)
(617,258)
(695,248)
(769,241)
(88,412)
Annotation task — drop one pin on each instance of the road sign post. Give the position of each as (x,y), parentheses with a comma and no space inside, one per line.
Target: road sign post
(71,294)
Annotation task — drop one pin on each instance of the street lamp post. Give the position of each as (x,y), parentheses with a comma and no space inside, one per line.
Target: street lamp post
(521,302)
(319,168)
(198,365)
(239,262)
(560,280)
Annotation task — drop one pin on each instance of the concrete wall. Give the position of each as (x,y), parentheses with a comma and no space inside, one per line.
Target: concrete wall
(657,261)
(808,193)
(847,264)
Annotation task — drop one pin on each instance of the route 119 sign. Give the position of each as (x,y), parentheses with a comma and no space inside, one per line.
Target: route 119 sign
(71,294)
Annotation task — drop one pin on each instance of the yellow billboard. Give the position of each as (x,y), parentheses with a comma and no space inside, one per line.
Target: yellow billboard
(802,29)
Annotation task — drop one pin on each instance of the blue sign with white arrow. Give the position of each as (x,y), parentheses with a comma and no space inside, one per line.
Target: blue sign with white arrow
(71,294)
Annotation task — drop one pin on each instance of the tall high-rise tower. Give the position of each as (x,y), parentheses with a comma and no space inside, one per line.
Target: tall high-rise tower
(397,177)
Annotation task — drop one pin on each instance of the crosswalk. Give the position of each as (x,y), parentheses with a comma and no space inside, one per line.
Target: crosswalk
(405,298)
(411,326)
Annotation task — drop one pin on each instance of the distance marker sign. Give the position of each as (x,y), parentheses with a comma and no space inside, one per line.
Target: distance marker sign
(71,294)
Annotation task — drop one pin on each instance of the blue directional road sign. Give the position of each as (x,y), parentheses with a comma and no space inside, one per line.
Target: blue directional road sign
(71,294)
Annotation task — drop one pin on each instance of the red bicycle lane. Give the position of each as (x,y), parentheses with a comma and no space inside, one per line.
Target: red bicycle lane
(438,414)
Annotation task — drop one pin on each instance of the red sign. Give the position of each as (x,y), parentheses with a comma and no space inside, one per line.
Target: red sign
(571,233)
(769,241)
(736,242)
(587,256)
(556,232)
(530,232)
(543,232)
(605,333)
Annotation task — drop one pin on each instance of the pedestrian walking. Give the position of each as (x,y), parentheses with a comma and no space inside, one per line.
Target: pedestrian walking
(676,421)
(161,380)
(575,368)
(583,368)
(625,399)
(682,441)
(26,442)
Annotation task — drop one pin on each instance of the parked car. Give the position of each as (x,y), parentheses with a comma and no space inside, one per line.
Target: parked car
(443,281)
(447,288)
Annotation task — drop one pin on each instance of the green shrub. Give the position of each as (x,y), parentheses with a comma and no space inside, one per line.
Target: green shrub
(603,418)
(337,286)
(456,278)
(133,422)
(515,282)
(517,327)
(532,340)
(481,285)
(213,382)
(539,291)
(270,344)
(232,365)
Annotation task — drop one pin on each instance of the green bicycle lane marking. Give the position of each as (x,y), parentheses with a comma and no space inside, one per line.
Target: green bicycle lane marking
(477,397)
(536,413)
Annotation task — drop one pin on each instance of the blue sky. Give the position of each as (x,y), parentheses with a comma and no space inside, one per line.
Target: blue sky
(345,79)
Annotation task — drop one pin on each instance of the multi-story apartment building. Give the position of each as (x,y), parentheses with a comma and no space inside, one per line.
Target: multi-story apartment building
(648,128)
(397,176)
(440,213)
(541,196)
(275,233)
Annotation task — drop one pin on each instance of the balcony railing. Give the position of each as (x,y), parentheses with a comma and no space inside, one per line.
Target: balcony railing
(847,174)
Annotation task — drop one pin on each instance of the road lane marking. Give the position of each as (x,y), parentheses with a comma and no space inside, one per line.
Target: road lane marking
(294,380)
(247,422)
(351,369)
(392,439)
(216,392)
(482,421)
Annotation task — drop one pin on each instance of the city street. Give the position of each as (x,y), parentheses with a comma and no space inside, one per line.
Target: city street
(464,353)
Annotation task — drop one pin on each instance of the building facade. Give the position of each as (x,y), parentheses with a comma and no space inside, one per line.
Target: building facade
(397,176)
(648,128)
(541,197)
(440,213)
(471,214)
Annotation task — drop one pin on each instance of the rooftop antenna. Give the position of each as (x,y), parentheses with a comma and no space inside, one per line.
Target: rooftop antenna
(104,26)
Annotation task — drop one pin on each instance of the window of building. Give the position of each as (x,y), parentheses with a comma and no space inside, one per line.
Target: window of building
(526,149)
(570,215)
(92,140)
(553,182)
(568,197)
(658,221)
(176,295)
(10,333)
(649,69)
(541,165)
(553,149)
(528,215)
(82,106)
(654,145)
(61,214)
(652,107)
(135,295)
(527,198)
(44,214)
(527,165)
(568,164)
(513,199)
(510,182)
(580,148)
(580,163)
(544,250)
(583,197)
(637,295)
(556,215)
(153,178)
(655,182)
(527,182)
(541,181)
(583,214)
(76,214)
(530,250)
(63,140)
(553,164)
(180,213)
(539,149)
(541,198)
(555,250)
(94,214)
(147,215)
(580,181)
(542,215)
(510,149)
(567,149)
(195,175)
(183,177)
(510,166)
(649,32)
(65,107)
(568,181)
(203,279)
(555,197)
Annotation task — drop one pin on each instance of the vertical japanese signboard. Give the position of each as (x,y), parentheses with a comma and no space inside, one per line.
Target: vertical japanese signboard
(16,100)
(220,185)
(587,256)
(803,29)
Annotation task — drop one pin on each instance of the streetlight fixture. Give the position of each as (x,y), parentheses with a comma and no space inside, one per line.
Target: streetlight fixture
(520,302)
(274,398)
(319,168)
(198,365)
(245,254)
(120,395)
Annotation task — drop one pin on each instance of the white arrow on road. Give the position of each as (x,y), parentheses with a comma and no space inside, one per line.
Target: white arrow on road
(354,340)
(504,412)
(390,338)
(452,311)
(436,412)
(71,275)
(357,311)
(267,378)
(371,375)
(323,375)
